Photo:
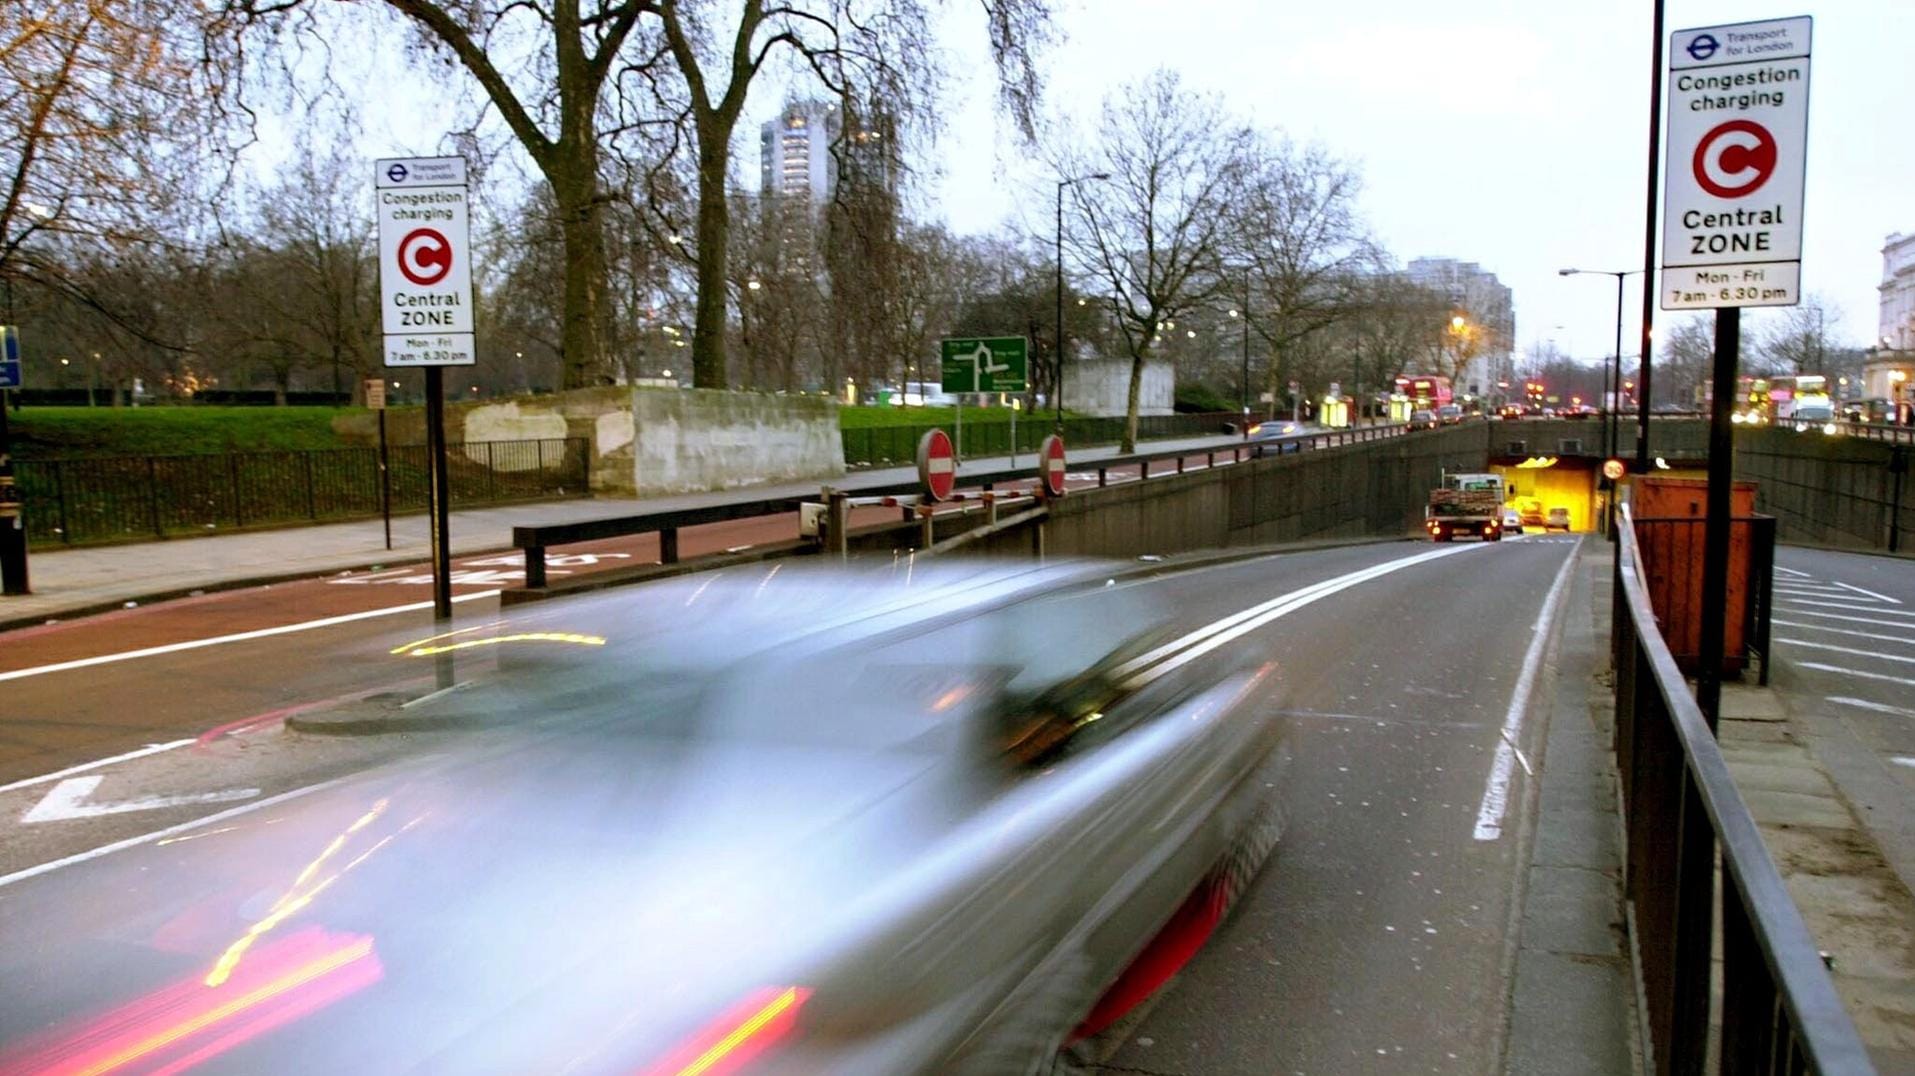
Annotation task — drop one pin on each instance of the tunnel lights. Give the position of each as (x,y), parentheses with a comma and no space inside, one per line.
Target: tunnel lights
(1537,463)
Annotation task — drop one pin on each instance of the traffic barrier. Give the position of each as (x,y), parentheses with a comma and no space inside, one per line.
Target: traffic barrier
(1778,1010)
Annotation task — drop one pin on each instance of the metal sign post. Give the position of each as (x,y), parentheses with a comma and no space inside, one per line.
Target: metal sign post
(376,400)
(13,523)
(1732,236)
(425,285)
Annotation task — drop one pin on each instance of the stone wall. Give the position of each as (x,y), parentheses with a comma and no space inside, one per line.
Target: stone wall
(1102,387)
(646,441)
(1376,489)
(705,440)
(1825,490)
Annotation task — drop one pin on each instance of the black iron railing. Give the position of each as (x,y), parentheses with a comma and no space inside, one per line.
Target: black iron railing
(1777,1010)
(899,444)
(123,498)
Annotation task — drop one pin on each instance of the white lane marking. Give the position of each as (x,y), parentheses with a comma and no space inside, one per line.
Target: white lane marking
(1902,760)
(1848,631)
(130,842)
(1195,644)
(1495,803)
(1855,619)
(1867,704)
(1819,667)
(67,800)
(1792,571)
(1848,650)
(149,749)
(1814,590)
(236,637)
(1870,593)
(1850,605)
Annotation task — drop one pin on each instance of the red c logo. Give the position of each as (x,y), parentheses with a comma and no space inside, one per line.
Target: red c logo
(424,257)
(1734,159)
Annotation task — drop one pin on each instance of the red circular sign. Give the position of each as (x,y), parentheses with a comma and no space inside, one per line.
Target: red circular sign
(1734,159)
(937,464)
(1613,469)
(425,257)
(1050,458)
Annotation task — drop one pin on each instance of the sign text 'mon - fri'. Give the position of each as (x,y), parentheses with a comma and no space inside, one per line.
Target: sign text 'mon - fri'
(986,364)
(1737,146)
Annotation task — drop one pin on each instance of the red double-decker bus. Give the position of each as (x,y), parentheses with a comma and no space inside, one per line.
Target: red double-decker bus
(1426,391)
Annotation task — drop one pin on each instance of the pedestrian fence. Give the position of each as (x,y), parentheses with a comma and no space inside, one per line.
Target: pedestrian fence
(1729,975)
(899,444)
(131,498)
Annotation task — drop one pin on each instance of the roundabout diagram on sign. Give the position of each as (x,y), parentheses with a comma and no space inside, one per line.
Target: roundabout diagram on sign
(1735,159)
(425,257)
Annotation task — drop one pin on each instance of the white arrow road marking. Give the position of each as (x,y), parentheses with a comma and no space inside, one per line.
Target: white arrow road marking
(1870,593)
(1792,571)
(67,800)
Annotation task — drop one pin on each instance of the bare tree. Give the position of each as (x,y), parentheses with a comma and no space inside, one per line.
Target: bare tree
(1688,356)
(104,128)
(1303,250)
(1800,339)
(1154,235)
(780,305)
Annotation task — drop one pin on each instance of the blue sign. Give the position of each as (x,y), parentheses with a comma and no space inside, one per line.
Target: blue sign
(9,357)
(1702,46)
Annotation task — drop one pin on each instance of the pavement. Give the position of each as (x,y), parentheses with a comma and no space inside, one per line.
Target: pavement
(73,582)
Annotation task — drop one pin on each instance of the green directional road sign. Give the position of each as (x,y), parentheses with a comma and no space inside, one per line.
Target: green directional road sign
(986,364)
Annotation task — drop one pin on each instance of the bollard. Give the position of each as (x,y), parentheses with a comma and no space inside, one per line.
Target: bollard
(990,507)
(534,566)
(927,530)
(13,533)
(838,520)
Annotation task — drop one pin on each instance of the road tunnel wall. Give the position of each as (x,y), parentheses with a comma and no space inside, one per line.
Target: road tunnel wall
(1823,490)
(1375,489)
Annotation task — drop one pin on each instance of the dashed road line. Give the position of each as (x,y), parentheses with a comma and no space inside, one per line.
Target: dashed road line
(1847,631)
(1819,667)
(1868,704)
(1849,650)
(1844,605)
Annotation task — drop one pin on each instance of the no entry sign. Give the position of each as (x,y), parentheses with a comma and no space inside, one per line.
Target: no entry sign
(425,261)
(1050,462)
(1738,136)
(937,464)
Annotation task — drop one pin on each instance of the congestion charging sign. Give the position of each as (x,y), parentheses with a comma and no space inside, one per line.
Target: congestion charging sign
(1738,134)
(425,261)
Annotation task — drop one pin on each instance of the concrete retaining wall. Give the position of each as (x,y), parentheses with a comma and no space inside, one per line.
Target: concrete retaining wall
(1102,387)
(1824,490)
(647,441)
(1374,489)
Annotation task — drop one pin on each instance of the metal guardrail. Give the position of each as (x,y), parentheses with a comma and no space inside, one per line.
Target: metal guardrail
(126,498)
(1879,431)
(1777,1011)
(536,540)
(899,444)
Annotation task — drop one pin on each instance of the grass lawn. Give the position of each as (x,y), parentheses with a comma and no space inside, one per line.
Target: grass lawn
(860,418)
(65,432)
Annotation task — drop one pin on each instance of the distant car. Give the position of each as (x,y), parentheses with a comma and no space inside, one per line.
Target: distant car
(1449,414)
(1509,411)
(1512,520)
(1423,420)
(1531,511)
(1280,436)
(1558,520)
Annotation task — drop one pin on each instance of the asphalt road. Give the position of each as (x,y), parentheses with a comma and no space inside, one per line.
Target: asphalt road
(1377,939)
(42,728)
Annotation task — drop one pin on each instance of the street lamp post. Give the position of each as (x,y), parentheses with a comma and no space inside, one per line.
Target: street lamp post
(1612,377)
(1057,359)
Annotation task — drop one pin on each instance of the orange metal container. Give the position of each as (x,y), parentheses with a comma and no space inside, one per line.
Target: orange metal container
(1669,515)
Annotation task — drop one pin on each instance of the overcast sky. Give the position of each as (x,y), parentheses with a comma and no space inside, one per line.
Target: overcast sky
(1511,133)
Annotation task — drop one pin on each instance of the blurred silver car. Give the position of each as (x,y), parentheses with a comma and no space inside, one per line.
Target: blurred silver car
(766,821)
